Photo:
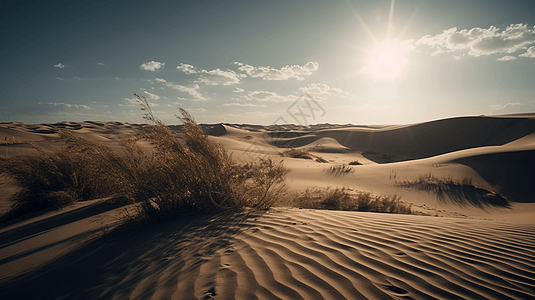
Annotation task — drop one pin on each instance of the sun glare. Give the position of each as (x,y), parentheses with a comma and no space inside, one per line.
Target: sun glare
(386,61)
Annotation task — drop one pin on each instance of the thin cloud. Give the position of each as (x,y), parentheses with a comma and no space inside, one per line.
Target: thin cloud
(244,104)
(498,107)
(213,77)
(151,95)
(60,65)
(284,73)
(191,91)
(152,66)
(506,58)
(101,64)
(65,105)
(238,90)
(320,89)
(478,41)
(188,69)
(160,80)
(529,53)
(264,96)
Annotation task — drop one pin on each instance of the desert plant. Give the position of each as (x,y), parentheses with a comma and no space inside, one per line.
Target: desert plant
(355,163)
(199,175)
(75,168)
(340,170)
(177,178)
(460,191)
(344,199)
(295,153)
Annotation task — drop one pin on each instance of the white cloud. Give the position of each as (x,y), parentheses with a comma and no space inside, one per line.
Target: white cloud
(188,69)
(152,66)
(320,89)
(238,90)
(60,65)
(213,77)
(478,41)
(101,64)
(160,80)
(498,107)
(265,96)
(507,57)
(529,53)
(244,104)
(196,109)
(152,96)
(217,76)
(284,73)
(59,78)
(192,91)
(66,105)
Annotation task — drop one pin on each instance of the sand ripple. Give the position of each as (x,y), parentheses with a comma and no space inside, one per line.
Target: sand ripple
(299,254)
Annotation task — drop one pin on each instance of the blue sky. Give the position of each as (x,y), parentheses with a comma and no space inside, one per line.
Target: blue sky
(361,62)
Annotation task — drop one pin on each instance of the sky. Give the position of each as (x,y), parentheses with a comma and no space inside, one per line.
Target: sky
(266,62)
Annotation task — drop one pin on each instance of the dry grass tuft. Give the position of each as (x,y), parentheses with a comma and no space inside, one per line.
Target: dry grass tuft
(175,179)
(460,191)
(338,171)
(344,199)
(295,153)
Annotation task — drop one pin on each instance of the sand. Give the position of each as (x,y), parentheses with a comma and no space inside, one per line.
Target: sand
(460,251)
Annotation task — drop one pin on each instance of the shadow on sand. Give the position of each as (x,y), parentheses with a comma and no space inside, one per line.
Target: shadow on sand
(462,193)
(126,264)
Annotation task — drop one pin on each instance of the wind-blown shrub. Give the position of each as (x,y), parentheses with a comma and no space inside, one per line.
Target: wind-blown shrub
(177,178)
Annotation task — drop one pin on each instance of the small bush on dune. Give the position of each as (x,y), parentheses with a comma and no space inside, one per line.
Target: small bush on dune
(199,175)
(176,179)
(295,153)
(459,191)
(76,168)
(340,170)
(343,199)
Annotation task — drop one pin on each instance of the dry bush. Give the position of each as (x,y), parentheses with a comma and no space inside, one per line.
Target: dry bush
(75,168)
(176,179)
(295,153)
(338,171)
(199,175)
(343,199)
(355,163)
(459,191)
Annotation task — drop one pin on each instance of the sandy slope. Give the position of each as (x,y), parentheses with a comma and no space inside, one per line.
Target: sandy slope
(471,251)
(297,254)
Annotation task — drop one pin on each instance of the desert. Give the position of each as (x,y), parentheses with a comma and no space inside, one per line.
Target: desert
(461,245)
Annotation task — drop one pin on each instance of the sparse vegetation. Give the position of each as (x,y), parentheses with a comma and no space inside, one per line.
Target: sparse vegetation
(460,191)
(340,170)
(355,163)
(344,199)
(176,179)
(295,153)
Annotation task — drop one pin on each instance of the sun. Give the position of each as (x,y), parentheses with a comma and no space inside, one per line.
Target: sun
(386,61)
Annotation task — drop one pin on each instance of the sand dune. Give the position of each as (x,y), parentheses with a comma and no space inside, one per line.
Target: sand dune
(297,254)
(469,251)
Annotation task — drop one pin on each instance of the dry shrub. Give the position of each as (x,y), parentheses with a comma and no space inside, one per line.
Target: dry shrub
(199,175)
(344,199)
(175,179)
(459,191)
(295,153)
(338,171)
(75,168)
